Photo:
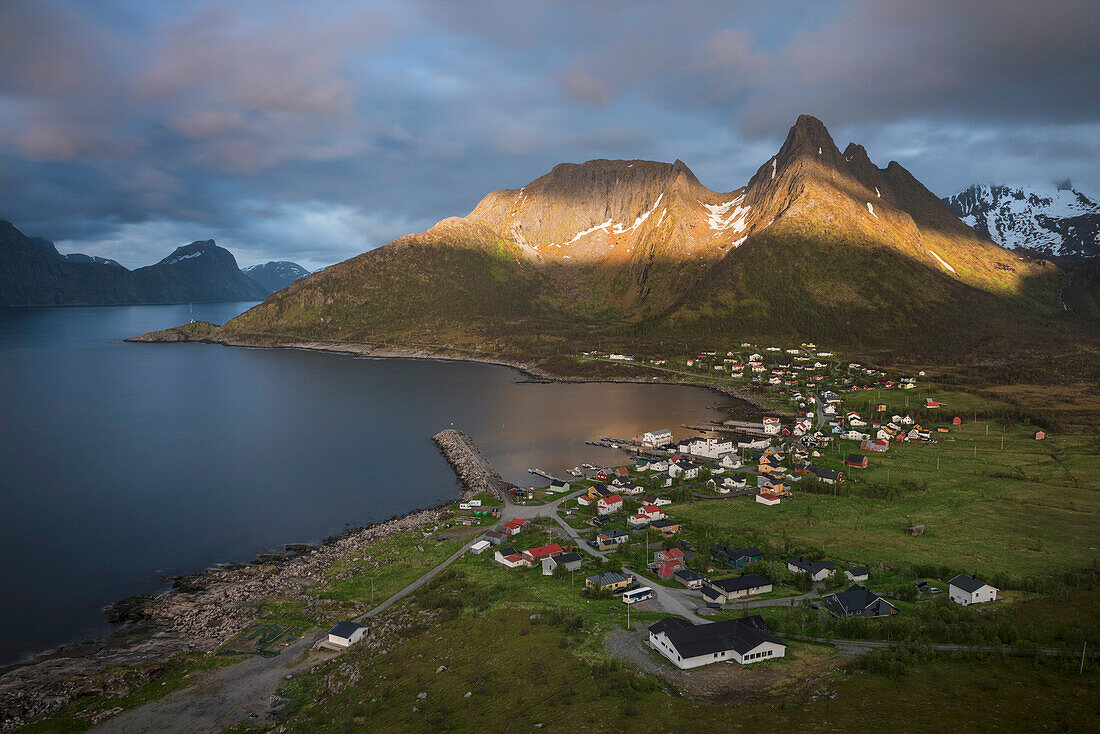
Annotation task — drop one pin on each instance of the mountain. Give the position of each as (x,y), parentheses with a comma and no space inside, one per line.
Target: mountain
(32,272)
(275,275)
(75,257)
(200,271)
(819,244)
(1053,221)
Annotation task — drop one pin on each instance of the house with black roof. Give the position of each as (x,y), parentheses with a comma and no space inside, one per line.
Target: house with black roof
(689,578)
(345,634)
(968,590)
(858,573)
(743,641)
(818,570)
(737,557)
(858,601)
(739,587)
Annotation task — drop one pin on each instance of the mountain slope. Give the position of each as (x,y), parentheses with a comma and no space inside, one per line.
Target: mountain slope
(819,244)
(1051,221)
(32,272)
(275,275)
(29,274)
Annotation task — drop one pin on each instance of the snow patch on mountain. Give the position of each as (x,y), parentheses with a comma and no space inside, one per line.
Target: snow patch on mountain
(1048,219)
(721,218)
(942,261)
(178,258)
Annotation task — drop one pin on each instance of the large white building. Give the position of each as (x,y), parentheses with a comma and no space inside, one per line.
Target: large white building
(657,438)
(743,641)
(968,590)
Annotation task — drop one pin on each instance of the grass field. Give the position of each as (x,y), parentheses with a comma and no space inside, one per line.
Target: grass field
(1029,509)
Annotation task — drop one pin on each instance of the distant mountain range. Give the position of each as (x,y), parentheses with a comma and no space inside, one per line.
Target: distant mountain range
(276,275)
(33,272)
(819,245)
(1055,221)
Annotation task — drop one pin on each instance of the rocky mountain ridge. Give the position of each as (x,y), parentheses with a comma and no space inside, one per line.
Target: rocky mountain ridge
(819,244)
(33,272)
(1053,221)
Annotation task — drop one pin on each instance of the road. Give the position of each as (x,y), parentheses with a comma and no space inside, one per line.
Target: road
(864,645)
(416,584)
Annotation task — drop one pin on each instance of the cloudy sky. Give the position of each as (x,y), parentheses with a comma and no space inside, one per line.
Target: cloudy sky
(314,131)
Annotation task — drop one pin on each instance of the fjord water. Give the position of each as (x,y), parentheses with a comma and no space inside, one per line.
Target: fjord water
(120,463)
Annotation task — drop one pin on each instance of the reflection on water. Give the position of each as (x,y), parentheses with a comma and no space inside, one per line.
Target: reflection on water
(124,461)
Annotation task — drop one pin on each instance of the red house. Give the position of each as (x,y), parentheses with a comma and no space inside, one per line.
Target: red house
(534,555)
(859,461)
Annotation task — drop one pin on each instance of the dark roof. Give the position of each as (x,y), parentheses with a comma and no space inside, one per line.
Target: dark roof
(508,552)
(740,583)
(741,635)
(735,554)
(567,558)
(856,600)
(856,458)
(344,629)
(607,578)
(967,583)
(614,533)
(688,574)
(668,623)
(859,571)
(812,566)
(664,523)
(824,473)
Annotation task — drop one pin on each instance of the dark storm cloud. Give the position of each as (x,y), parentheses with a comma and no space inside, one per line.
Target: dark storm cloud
(300,131)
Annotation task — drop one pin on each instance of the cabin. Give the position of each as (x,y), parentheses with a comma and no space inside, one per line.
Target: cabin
(857,601)
(1040,435)
(967,590)
(857,573)
(744,641)
(818,570)
(612,580)
(345,634)
(859,461)
(767,498)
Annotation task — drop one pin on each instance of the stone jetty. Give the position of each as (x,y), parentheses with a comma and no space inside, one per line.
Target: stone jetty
(469,464)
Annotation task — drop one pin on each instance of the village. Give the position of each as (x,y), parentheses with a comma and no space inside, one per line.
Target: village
(613,532)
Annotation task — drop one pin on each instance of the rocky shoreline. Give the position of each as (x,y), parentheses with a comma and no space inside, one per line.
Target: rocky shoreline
(201,612)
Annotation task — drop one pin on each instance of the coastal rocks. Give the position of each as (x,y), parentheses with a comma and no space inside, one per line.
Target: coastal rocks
(200,613)
(472,467)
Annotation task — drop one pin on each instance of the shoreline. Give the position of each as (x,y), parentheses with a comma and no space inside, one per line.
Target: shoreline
(533,372)
(198,614)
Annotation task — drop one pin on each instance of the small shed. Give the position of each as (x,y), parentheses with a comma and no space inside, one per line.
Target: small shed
(346,634)
(956,421)
(1040,435)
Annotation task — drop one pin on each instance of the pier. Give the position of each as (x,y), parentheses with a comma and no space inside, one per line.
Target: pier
(472,467)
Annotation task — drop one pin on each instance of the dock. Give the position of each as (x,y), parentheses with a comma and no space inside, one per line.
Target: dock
(469,464)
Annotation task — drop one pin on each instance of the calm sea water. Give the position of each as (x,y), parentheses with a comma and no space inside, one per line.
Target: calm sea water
(120,462)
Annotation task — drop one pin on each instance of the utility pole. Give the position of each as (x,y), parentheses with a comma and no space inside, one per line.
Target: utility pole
(1083,646)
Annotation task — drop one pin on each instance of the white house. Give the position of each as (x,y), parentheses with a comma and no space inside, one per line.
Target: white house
(968,590)
(767,498)
(638,521)
(818,570)
(858,574)
(508,557)
(607,505)
(657,438)
(346,634)
(730,461)
(683,468)
(745,640)
(710,448)
(772,427)
(479,547)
